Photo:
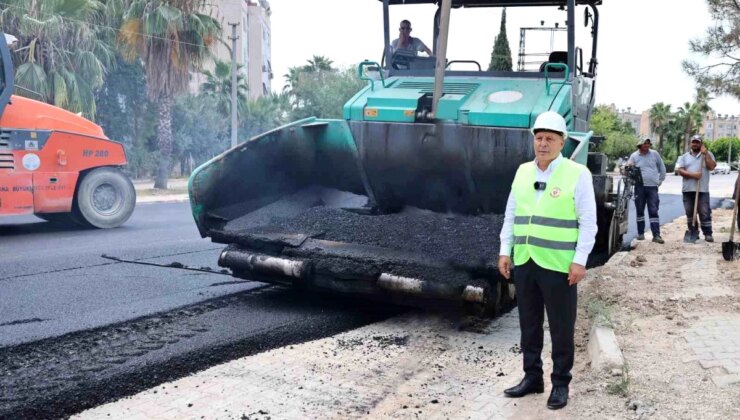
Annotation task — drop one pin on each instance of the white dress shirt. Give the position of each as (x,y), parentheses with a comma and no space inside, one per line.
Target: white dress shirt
(585,212)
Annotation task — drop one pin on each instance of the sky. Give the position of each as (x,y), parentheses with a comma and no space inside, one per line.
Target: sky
(640,49)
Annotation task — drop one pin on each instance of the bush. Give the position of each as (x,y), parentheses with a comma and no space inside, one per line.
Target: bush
(721,147)
(670,167)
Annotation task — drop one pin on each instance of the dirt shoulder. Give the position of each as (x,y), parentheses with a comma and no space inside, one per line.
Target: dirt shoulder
(676,315)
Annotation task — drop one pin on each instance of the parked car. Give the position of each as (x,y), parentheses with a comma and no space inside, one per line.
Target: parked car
(721,168)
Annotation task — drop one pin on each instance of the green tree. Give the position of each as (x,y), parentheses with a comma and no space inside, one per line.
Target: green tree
(319,63)
(721,47)
(172,38)
(199,128)
(291,78)
(264,114)
(323,93)
(501,54)
(620,137)
(126,115)
(318,89)
(660,115)
(690,116)
(63,50)
(673,133)
(721,148)
(218,87)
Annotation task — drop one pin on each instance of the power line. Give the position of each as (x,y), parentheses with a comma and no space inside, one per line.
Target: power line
(103,26)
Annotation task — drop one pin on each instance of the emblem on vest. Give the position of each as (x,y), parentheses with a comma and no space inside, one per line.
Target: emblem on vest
(555,193)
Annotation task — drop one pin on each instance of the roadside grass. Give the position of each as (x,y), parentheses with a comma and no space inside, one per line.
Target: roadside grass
(600,312)
(621,385)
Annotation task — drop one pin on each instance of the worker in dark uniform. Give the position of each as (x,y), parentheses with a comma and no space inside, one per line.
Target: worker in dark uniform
(735,197)
(551,224)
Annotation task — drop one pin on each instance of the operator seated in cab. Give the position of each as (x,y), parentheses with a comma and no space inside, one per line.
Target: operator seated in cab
(407,42)
(405,48)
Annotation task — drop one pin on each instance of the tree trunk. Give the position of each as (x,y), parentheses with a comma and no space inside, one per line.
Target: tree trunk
(686,141)
(164,141)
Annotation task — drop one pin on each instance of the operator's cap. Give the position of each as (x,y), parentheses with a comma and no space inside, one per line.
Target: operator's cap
(550,121)
(643,141)
(697,137)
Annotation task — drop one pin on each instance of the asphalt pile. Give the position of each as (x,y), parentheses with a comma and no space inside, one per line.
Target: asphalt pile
(453,249)
(457,239)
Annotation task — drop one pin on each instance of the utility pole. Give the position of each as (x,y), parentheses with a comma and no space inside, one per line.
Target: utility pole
(233,39)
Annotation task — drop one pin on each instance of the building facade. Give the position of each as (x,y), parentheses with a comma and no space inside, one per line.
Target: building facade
(260,40)
(253,43)
(717,126)
(714,126)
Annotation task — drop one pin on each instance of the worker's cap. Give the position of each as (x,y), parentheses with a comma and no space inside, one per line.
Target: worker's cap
(643,140)
(696,137)
(550,121)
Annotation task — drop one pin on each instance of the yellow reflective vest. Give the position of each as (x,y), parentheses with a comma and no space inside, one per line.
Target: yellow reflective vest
(546,230)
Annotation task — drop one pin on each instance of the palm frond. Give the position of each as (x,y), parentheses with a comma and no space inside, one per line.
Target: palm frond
(59,89)
(32,77)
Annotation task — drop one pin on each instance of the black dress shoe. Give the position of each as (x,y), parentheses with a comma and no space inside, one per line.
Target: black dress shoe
(558,397)
(526,386)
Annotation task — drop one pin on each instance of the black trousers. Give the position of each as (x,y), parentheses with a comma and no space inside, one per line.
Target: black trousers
(539,290)
(647,196)
(703,209)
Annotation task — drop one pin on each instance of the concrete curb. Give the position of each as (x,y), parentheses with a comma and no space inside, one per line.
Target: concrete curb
(603,349)
(617,258)
(173,198)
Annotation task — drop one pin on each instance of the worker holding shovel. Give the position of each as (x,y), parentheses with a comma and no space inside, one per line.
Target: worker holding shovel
(694,166)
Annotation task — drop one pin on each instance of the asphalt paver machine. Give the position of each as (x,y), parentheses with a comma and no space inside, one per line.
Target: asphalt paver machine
(402,198)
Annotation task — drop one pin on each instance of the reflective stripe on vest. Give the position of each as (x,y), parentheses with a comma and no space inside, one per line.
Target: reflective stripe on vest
(546,229)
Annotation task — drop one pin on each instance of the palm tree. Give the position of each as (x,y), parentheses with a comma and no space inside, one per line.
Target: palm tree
(218,87)
(264,114)
(64,48)
(673,133)
(660,114)
(291,78)
(316,64)
(172,38)
(319,63)
(702,99)
(691,117)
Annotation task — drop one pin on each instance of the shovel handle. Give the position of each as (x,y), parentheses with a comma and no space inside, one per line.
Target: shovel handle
(734,210)
(694,222)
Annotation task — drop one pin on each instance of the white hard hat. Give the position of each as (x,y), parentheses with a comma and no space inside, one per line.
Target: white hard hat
(550,121)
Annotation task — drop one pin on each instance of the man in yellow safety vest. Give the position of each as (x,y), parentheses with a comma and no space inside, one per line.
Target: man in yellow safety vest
(551,224)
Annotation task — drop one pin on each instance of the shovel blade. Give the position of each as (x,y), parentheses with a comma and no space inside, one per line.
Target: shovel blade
(730,251)
(691,236)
